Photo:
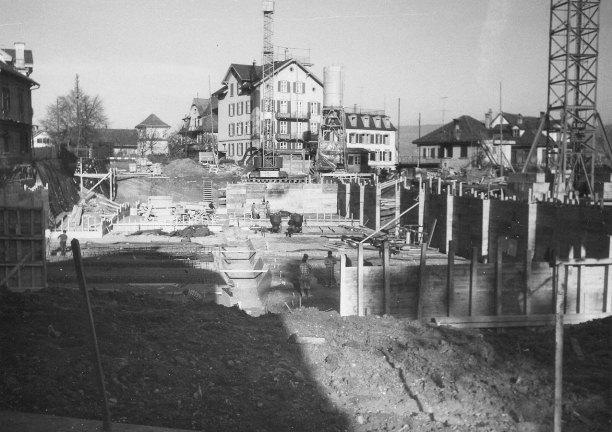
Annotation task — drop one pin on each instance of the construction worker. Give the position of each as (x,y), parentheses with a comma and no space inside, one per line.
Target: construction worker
(330,263)
(305,274)
(63,238)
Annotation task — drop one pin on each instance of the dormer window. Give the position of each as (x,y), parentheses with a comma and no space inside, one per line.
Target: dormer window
(457,132)
(353,120)
(387,122)
(377,122)
(366,121)
(515,131)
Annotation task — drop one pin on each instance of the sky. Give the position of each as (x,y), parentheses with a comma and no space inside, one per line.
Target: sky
(439,58)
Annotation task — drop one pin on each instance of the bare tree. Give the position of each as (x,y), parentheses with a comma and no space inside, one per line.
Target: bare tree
(74,118)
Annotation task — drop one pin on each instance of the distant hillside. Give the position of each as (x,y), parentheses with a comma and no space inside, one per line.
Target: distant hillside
(409,134)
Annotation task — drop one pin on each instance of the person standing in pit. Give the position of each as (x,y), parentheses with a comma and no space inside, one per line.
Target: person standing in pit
(63,238)
(305,273)
(330,263)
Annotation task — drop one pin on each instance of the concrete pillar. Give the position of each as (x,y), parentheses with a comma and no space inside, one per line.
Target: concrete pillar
(486,212)
(398,204)
(377,208)
(361,201)
(347,203)
(421,211)
(532,214)
(450,201)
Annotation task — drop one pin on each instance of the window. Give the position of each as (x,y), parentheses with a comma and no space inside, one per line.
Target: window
(231,109)
(283,86)
(314,127)
(352,138)
(239,108)
(299,146)
(441,152)
(284,106)
(247,128)
(232,129)
(372,138)
(449,152)
(300,107)
(387,122)
(357,160)
(385,139)
(231,88)
(463,152)
(314,108)
(239,149)
(239,129)
(366,121)
(6,100)
(424,153)
(21,105)
(230,150)
(377,122)
(301,127)
(432,153)
(282,144)
(247,107)
(351,160)
(299,87)
(283,127)
(515,131)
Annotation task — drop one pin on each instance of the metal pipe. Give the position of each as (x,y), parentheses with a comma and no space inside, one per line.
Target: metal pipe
(78,266)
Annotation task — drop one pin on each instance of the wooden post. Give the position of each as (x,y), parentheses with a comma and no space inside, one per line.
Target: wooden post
(360,279)
(439,185)
(473,276)
(450,200)
(559,307)
(498,276)
(450,274)
(361,202)
(386,278)
(398,206)
(377,203)
(422,276)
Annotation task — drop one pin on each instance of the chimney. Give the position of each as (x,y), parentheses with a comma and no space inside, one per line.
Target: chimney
(488,118)
(519,120)
(19,56)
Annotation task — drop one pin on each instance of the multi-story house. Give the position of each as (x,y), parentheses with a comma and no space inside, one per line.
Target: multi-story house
(298,98)
(456,145)
(152,136)
(201,123)
(371,141)
(15,116)
(510,139)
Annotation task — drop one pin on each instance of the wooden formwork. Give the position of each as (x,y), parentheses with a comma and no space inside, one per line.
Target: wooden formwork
(22,248)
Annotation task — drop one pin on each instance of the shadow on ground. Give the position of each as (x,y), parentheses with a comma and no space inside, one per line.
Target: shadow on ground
(168,362)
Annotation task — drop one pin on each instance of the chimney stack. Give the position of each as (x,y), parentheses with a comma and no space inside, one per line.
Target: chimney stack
(19,56)
(488,118)
(519,120)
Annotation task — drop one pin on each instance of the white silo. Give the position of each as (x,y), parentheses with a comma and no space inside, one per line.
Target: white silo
(333,82)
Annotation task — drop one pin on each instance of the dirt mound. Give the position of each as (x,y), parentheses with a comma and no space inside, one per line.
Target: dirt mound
(191,365)
(183,168)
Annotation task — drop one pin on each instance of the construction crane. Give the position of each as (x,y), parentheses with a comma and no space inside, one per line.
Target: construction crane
(571,118)
(269,166)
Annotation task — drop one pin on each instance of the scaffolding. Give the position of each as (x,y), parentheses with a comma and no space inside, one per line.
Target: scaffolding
(268,144)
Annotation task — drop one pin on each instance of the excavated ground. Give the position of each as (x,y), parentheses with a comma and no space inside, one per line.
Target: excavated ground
(185,364)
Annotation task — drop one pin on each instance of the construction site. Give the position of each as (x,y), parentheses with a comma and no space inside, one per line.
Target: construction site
(314,281)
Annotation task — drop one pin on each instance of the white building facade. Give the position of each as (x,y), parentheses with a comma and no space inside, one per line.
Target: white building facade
(371,141)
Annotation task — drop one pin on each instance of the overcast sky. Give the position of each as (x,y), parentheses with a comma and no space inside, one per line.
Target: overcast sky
(154,56)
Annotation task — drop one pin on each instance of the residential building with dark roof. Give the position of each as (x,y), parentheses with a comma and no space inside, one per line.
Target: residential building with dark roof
(122,143)
(510,143)
(15,116)
(201,123)
(20,58)
(298,98)
(457,145)
(371,141)
(152,136)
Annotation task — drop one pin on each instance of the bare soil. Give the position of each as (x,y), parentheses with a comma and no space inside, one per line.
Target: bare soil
(182,363)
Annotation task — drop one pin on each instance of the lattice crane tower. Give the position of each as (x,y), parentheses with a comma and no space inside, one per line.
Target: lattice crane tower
(267,109)
(572,90)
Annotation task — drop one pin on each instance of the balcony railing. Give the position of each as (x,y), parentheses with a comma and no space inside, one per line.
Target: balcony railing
(303,115)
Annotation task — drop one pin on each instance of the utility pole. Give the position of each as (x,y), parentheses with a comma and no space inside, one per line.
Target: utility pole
(397,143)
(418,150)
(78,115)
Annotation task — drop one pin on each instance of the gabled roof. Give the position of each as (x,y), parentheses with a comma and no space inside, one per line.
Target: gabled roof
(6,68)
(372,125)
(27,55)
(470,130)
(252,74)
(204,105)
(529,126)
(152,121)
(118,137)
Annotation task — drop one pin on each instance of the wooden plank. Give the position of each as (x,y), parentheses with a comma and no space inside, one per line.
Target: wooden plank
(526,281)
(386,278)
(422,282)
(450,275)
(360,279)
(498,277)
(606,289)
(492,321)
(473,276)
